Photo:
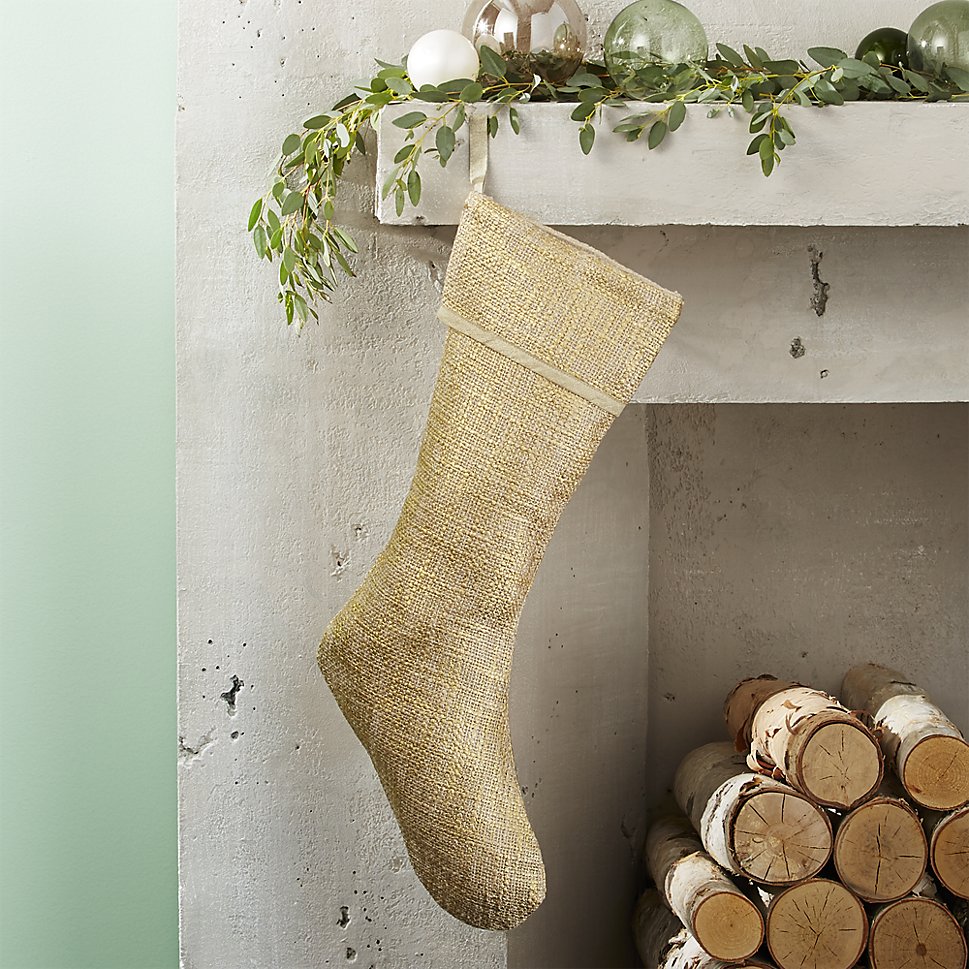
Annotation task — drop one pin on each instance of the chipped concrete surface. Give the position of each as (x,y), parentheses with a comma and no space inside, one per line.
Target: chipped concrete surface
(294,454)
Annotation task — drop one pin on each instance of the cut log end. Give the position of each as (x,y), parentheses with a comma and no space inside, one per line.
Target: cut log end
(950,853)
(729,927)
(880,850)
(916,933)
(936,773)
(839,765)
(817,924)
(780,837)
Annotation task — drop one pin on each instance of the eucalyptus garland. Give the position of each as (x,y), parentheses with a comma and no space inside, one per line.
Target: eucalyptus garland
(295,223)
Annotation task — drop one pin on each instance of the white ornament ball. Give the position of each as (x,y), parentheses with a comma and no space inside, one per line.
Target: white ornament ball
(442,55)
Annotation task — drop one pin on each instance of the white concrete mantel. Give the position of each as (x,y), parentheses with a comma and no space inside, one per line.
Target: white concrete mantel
(855,305)
(847,163)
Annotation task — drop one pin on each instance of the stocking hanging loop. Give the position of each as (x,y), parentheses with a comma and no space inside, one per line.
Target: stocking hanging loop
(478,149)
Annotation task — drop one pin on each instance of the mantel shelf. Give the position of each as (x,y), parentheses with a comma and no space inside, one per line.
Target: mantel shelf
(864,164)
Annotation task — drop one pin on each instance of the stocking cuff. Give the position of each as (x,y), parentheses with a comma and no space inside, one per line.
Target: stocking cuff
(554,305)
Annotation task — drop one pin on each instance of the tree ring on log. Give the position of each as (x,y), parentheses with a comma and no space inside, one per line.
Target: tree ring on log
(950,853)
(780,837)
(916,933)
(730,926)
(839,764)
(880,850)
(817,924)
(936,772)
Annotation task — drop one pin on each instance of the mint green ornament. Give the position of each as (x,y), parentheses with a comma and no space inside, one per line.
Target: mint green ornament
(652,32)
(939,37)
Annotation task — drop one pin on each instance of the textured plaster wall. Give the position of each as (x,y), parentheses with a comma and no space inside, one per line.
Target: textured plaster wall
(294,454)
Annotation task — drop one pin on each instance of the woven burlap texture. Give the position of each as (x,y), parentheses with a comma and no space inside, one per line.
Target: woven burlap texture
(419,659)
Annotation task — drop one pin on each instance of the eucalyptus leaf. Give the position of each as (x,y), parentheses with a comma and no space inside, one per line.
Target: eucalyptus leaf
(410,120)
(259,241)
(827,92)
(730,55)
(346,240)
(254,213)
(656,134)
(826,56)
(677,115)
(399,85)
(444,140)
(587,137)
(855,68)
(492,62)
(293,201)
(414,187)
(754,147)
(958,77)
(583,110)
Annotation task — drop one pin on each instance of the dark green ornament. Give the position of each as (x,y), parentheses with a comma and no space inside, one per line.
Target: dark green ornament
(888,44)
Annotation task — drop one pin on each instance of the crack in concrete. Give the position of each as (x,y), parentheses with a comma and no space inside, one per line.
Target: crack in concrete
(819,298)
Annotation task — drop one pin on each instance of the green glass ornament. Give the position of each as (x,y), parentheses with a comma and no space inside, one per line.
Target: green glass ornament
(888,44)
(652,32)
(939,37)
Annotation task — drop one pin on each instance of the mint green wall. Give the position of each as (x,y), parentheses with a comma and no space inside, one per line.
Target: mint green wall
(87,631)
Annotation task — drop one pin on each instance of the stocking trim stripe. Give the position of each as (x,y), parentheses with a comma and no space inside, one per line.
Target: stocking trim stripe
(558,377)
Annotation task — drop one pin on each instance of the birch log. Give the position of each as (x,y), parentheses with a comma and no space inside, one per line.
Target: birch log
(916,932)
(817,924)
(815,743)
(752,825)
(721,918)
(880,849)
(949,849)
(664,943)
(927,750)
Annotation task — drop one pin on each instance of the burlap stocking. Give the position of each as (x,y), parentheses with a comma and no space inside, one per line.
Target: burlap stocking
(547,340)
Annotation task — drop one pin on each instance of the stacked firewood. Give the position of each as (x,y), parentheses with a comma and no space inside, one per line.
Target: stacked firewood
(830,834)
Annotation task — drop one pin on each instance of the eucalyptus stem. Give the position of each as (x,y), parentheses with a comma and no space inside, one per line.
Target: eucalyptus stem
(295,222)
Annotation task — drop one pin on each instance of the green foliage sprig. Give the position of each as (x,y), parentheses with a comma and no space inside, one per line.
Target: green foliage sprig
(294,224)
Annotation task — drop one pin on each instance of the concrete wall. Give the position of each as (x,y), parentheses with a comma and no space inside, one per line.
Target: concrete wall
(295,453)
(799,540)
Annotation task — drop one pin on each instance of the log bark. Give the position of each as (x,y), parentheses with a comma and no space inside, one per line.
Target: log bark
(880,849)
(949,849)
(664,943)
(721,918)
(817,924)
(916,932)
(817,745)
(927,750)
(750,824)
